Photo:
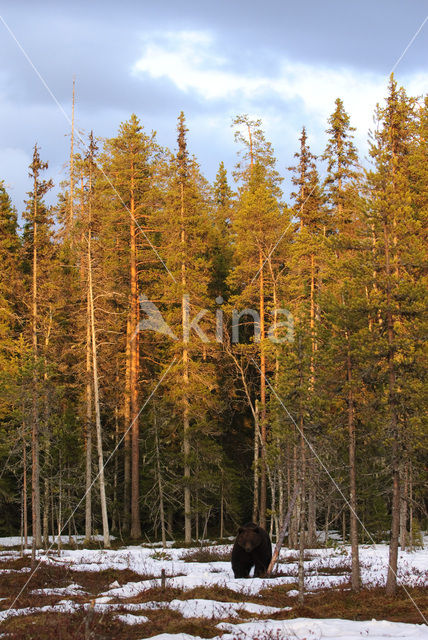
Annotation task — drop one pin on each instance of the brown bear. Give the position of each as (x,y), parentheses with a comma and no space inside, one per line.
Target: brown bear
(252,548)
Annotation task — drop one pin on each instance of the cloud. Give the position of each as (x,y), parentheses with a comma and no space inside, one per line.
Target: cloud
(191,61)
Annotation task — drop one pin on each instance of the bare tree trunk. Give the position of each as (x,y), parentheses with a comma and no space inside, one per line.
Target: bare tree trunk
(312,324)
(35,469)
(327,521)
(170,517)
(46,514)
(312,508)
(411,508)
(59,518)
(106,535)
(115,514)
(222,509)
(391,580)
(88,429)
(280,494)
(134,377)
(403,506)
(185,359)
(263,489)
(47,437)
(294,526)
(256,465)
(353,518)
(127,439)
(160,487)
(301,567)
(283,531)
(24,494)
(343,527)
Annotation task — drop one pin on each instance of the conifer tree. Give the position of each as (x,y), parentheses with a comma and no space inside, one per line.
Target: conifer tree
(128,164)
(257,225)
(222,214)
(308,263)
(184,234)
(345,230)
(395,223)
(37,237)
(9,261)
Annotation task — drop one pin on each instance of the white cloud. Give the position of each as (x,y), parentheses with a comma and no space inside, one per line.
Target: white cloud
(190,60)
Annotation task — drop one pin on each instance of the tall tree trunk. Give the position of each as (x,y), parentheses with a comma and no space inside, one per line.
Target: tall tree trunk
(263,491)
(256,464)
(222,508)
(391,580)
(127,438)
(312,324)
(88,428)
(59,515)
(312,510)
(160,487)
(353,519)
(294,526)
(301,568)
(115,514)
(185,358)
(35,471)
(403,506)
(411,508)
(134,377)
(24,495)
(106,535)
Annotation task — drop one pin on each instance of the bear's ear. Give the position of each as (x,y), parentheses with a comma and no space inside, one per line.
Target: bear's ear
(257,530)
(240,530)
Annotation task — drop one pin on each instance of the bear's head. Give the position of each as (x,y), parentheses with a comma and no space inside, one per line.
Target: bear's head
(249,537)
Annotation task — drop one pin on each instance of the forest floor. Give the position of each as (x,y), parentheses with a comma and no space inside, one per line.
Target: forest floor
(137,592)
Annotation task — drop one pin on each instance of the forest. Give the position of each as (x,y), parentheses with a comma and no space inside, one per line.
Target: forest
(179,357)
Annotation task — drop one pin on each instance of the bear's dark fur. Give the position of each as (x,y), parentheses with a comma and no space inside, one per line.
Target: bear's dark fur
(252,548)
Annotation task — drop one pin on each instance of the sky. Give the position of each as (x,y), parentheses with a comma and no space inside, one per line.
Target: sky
(281,61)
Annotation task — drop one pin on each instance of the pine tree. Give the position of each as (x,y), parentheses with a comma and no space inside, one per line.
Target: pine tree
(257,226)
(129,165)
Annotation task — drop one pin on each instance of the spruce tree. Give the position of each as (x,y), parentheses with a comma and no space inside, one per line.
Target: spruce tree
(256,227)
(37,239)
(184,234)
(9,261)
(395,223)
(344,286)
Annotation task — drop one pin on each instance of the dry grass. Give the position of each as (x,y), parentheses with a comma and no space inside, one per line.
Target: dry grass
(205,554)
(77,626)
(343,603)
(84,625)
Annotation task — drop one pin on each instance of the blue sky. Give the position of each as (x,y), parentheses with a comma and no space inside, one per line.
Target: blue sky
(284,62)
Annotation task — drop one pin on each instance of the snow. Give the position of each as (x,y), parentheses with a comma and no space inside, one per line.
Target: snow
(200,608)
(16,541)
(325,568)
(176,636)
(130,618)
(70,590)
(310,629)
